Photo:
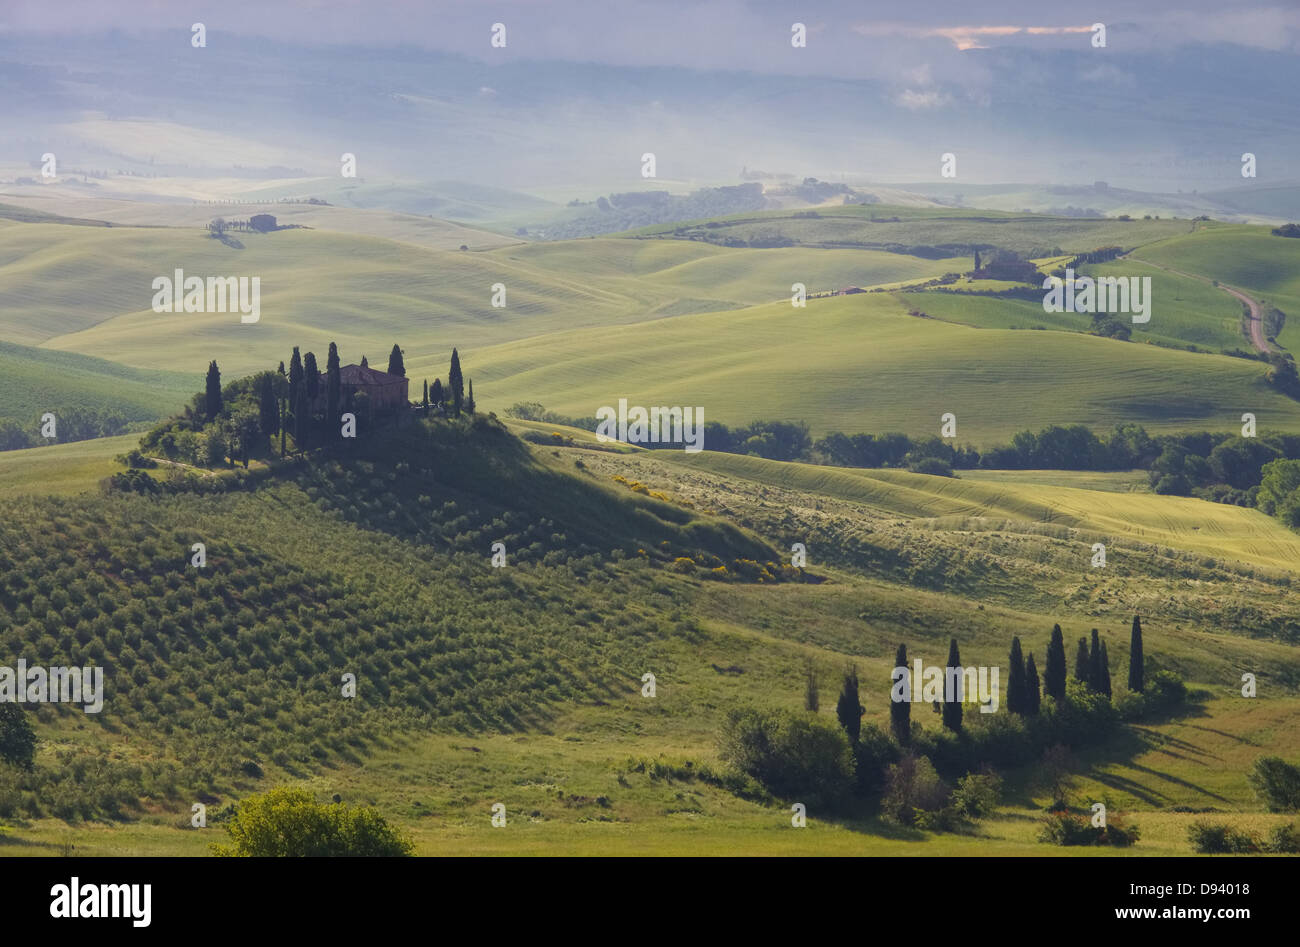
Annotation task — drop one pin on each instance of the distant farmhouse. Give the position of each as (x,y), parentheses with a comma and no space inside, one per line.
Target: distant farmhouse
(383,390)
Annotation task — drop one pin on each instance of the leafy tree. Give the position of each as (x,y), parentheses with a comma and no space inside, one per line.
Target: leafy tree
(796,756)
(849,708)
(333,391)
(289,823)
(1082,663)
(952,708)
(1054,676)
(395,364)
(1033,697)
(17,738)
(1016,679)
(1279,491)
(900,711)
(1135,659)
(212,398)
(456,384)
(1276,781)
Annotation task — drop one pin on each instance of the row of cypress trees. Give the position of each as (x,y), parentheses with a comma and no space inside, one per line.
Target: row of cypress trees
(1024,689)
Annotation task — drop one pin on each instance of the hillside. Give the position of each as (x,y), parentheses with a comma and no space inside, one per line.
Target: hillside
(33,381)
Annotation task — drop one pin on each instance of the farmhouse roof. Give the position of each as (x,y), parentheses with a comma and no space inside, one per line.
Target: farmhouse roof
(356,375)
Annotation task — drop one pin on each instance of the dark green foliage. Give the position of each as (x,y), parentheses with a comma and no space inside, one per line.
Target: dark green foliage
(333,393)
(799,757)
(212,397)
(311,376)
(425,400)
(456,384)
(1277,782)
(912,788)
(1068,828)
(1055,673)
(17,738)
(1136,681)
(1033,696)
(1217,838)
(435,393)
(268,408)
(849,709)
(295,370)
(396,366)
(1284,840)
(1082,663)
(900,711)
(1094,662)
(873,754)
(469,398)
(952,708)
(1103,680)
(1016,679)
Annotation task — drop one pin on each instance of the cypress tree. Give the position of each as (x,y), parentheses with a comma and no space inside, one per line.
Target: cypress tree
(977,259)
(435,393)
(455,384)
(1094,662)
(952,708)
(1033,698)
(333,390)
(268,415)
(469,399)
(1103,681)
(1081,664)
(395,364)
(212,392)
(295,373)
(281,368)
(311,376)
(900,711)
(849,708)
(365,362)
(1136,679)
(1054,675)
(1016,679)
(426,396)
(301,416)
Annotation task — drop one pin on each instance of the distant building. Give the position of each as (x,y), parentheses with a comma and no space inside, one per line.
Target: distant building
(383,390)
(263,223)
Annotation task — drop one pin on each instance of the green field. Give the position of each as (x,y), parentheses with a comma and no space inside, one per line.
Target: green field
(1247,258)
(877,369)
(33,381)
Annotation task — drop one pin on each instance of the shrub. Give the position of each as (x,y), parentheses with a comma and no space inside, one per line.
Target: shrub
(1284,840)
(1069,828)
(977,794)
(1214,838)
(792,755)
(1277,782)
(913,787)
(290,823)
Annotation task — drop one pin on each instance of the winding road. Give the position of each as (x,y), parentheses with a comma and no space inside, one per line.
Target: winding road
(1256,311)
